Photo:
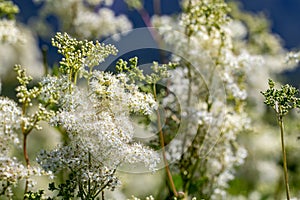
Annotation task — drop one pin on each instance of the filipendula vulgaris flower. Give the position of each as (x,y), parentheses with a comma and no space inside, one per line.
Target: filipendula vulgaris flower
(264,50)
(85,19)
(282,101)
(8,30)
(11,169)
(17,43)
(16,124)
(211,117)
(96,119)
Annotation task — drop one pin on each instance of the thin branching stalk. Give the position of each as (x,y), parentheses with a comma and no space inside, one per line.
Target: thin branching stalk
(25,154)
(26,157)
(162,143)
(26,160)
(102,194)
(282,101)
(89,183)
(285,169)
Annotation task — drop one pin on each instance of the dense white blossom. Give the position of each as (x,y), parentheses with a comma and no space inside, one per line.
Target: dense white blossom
(10,120)
(9,32)
(11,169)
(237,29)
(84,22)
(98,2)
(81,164)
(101,24)
(293,57)
(147,198)
(24,52)
(100,120)
(203,88)
(222,62)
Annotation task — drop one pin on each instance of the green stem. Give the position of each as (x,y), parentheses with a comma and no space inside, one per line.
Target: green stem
(162,143)
(89,183)
(102,194)
(25,150)
(26,160)
(75,77)
(280,120)
(25,154)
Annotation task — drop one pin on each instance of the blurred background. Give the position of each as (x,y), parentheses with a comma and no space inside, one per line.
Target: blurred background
(262,169)
(284,17)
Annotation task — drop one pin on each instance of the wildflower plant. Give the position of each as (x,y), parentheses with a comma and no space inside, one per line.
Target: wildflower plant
(85,19)
(193,101)
(14,121)
(79,55)
(282,101)
(205,151)
(96,119)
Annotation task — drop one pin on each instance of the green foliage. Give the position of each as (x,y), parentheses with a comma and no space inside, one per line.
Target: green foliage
(65,190)
(26,97)
(131,68)
(134,4)
(209,15)
(79,54)
(8,9)
(24,94)
(281,100)
(34,195)
(78,110)
(135,74)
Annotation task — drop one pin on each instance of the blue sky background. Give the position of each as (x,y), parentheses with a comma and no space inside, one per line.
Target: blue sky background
(283,14)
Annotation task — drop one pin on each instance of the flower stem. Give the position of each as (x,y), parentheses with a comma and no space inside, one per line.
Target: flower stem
(26,159)
(102,195)
(25,134)
(162,143)
(280,120)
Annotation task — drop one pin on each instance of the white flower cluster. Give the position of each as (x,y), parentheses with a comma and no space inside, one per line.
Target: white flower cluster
(147,198)
(97,119)
(11,170)
(9,32)
(53,89)
(101,120)
(80,54)
(101,24)
(204,16)
(83,22)
(81,164)
(98,2)
(18,46)
(293,57)
(261,51)
(10,120)
(215,68)
(117,92)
